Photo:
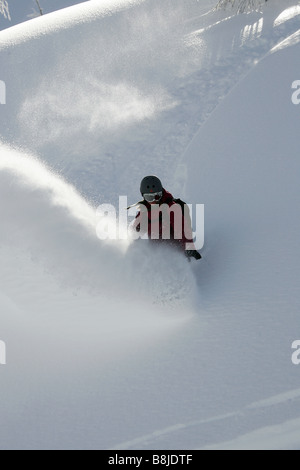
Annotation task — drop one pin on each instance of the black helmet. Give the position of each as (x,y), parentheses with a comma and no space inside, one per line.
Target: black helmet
(151,184)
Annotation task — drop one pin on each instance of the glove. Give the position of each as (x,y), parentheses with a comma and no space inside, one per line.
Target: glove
(193,254)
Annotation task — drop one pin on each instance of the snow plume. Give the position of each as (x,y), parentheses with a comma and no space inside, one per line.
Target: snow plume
(46,217)
(89,95)
(87,107)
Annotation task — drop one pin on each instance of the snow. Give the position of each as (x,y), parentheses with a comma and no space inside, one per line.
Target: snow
(24,10)
(287,14)
(279,437)
(111,345)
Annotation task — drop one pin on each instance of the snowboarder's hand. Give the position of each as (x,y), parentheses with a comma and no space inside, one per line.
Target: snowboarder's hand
(193,254)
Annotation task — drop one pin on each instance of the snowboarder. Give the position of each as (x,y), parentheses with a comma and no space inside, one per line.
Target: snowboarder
(163,218)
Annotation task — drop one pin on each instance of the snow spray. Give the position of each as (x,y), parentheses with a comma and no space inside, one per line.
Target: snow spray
(296,354)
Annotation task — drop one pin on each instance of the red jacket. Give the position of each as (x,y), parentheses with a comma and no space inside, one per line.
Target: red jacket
(166,221)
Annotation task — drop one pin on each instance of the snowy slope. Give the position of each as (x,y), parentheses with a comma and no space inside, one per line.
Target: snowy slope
(248,174)
(23,10)
(110,345)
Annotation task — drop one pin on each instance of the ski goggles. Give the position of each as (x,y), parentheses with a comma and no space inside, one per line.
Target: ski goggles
(153,197)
